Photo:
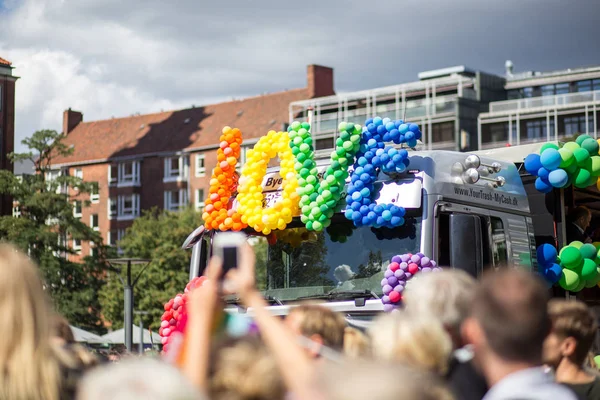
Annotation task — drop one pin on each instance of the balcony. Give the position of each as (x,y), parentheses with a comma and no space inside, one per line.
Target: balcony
(537,104)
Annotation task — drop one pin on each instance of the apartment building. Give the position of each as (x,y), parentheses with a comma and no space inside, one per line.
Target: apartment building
(444,102)
(166,159)
(7,124)
(542,106)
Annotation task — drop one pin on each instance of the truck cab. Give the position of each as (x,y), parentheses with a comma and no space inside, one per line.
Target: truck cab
(464,211)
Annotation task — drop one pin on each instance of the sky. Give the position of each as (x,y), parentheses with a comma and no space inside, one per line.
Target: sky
(115,58)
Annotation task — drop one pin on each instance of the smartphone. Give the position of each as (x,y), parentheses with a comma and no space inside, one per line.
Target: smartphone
(226,246)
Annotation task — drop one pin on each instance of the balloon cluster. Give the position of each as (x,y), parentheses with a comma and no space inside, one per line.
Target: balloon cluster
(223,181)
(295,236)
(373,156)
(174,318)
(340,232)
(575,163)
(319,198)
(579,263)
(250,194)
(548,264)
(401,269)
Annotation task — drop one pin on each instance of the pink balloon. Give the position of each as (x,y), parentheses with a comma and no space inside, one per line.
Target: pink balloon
(224,165)
(172,322)
(166,332)
(164,340)
(164,324)
(228,151)
(223,144)
(214,196)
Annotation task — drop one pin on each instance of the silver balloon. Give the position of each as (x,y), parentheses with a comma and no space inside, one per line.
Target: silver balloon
(472,161)
(471,176)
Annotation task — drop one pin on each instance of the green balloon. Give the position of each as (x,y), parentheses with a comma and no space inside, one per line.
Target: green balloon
(306,125)
(579,287)
(582,138)
(572,169)
(568,280)
(591,283)
(296,125)
(355,139)
(304,148)
(342,126)
(591,145)
(595,165)
(589,269)
(588,250)
(582,178)
(327,195)
(348,146)
(570,257)
(581,156)
(548,146)
(566,156)
(571,146)
(577,244)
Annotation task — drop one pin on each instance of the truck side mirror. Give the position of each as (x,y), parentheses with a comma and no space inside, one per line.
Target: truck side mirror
(466,245)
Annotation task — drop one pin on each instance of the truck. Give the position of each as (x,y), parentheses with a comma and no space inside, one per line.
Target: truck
(474,211)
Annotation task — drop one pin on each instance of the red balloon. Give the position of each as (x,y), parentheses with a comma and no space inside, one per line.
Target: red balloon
(395,297)
(413,268)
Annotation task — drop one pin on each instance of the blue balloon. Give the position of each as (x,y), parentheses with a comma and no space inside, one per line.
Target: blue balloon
(357,186)
(386,120)
(359,171)
(403,128)
(396,221)
(372,128)
(550,159)
(413,127)
(378,209)
(546,254)
(543,186)
(365,192)
(558,178)
(369,154)
(387,137)
(389,126)
(532,164)
(369,121)
(380,221)
(412,143)
(403,153)
(354,205)
(369,169)
(394,134)
(366,178)
(381,129)
(398,123)
(356,216)
(362,161)
(366,200)
(377,121)
(410,136)
(418,135)
(356,196)
(543,173)
(384,158)
(553,273)
(372,216)
(348,213)
(376,161)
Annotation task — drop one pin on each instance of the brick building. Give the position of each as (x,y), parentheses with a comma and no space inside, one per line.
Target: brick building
(7,124)
(165,160)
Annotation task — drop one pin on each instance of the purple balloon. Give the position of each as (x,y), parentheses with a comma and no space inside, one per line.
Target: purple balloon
(385,299)
(388,273)
(401,282)
(396,259)
(404,257)
(384,282)
(437,269)
(426,270)
(404,265)
(421,254)
(392,280)
(416,259)
(399,288)
(388,307)
(398,274)
(425,261)
(433,264)
(408,275)
(387,289)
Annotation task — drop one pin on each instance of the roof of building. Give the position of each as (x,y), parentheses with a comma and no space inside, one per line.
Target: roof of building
(174,131)
(4,62)
(23,167)
(535,78)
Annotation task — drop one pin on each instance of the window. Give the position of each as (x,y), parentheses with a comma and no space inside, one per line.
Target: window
(113,174)
(94,222)
(78,173)
(576,124)
(534,129)
(112,208)
(498,242)
(77,245)
(176,168)
(128,207)
(77,209)
(95,194)
(16,211)
(241,160)
(200,165)
(51,177)
(124,174)
(175,199)
(200,199)
(93,250)
(584,86)
(324,143)
(548,90)
(114,237)
(562,88)
(443,132)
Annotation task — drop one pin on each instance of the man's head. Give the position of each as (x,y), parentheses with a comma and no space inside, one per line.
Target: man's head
(573,332)
(582,216)
(509,318)
(319,324)
(447,296)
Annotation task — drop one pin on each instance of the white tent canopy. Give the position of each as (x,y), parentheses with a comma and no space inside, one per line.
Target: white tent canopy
(82,336)
(118,337)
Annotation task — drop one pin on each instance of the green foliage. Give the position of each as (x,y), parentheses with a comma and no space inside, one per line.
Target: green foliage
(156,236)
(47,223)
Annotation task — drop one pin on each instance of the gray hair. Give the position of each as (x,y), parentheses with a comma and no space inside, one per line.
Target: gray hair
(445,295)
(137,378)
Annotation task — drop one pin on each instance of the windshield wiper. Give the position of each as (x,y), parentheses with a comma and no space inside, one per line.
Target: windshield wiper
(342,294)
(237,301)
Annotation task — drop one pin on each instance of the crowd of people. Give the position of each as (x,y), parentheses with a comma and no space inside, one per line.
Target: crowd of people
(455,338)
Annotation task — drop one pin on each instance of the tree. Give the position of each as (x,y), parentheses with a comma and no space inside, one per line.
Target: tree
(47,221)
(157,236)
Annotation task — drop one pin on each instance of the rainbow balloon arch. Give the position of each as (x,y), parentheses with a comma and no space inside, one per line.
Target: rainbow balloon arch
(304,194)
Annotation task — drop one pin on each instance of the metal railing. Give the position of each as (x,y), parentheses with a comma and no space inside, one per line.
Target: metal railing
(545,101)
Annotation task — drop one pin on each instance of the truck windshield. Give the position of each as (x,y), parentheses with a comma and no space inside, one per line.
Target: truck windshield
(301,264)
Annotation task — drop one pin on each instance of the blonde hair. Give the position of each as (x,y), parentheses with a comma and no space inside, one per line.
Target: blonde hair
(418,341)
(356,343)
(574,319)
(29,367)
(244,369)
(446,295)
(368,380)
(318,320)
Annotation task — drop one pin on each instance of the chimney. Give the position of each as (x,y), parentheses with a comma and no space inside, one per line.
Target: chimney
(320,81)
(70,120)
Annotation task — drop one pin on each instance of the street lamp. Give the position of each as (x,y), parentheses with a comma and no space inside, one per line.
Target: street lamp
(128,285)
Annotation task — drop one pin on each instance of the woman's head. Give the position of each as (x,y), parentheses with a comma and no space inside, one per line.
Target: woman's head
(25,349)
